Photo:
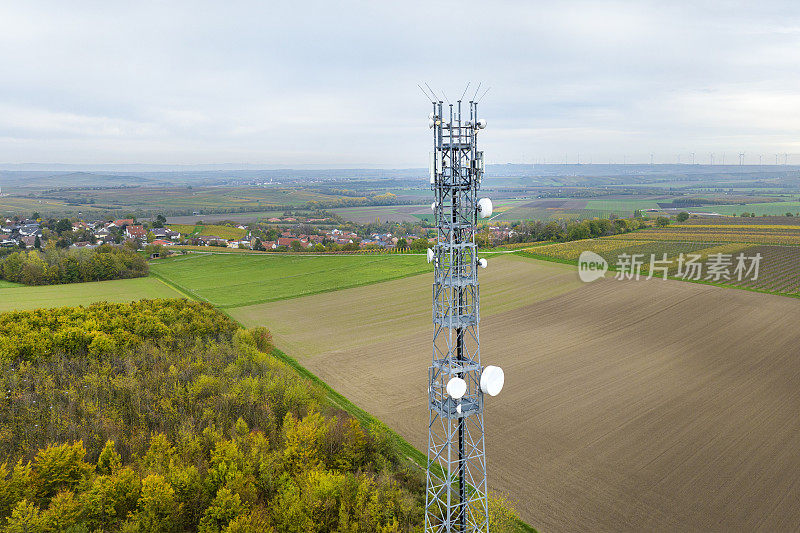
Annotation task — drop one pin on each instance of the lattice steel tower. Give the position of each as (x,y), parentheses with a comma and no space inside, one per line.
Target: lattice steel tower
(456,471)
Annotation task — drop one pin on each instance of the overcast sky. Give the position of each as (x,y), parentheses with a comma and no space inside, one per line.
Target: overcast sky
(335,83)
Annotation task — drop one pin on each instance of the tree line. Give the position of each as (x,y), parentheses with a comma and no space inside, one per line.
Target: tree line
(56,265)
(569,230)
(164,415)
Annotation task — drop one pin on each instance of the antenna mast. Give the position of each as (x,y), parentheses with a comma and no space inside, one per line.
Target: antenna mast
(456,499)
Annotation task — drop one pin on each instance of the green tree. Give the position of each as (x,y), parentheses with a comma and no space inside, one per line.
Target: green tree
(419,245)
(26,518)
(59,467)
(225,507)
(662,221)
(158,509)
(109,499)
(683,216)
(109,461)
(64,513)
(63,225)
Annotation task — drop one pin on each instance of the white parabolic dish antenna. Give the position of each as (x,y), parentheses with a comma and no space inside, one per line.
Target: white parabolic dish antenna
(492,380)
(456,388)
(430,255)
(485,207)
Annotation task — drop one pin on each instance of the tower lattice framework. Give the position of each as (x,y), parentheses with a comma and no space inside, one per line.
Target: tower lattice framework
(456,499)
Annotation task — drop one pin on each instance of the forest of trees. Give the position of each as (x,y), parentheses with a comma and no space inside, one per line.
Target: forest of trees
(164,415)
(56,265)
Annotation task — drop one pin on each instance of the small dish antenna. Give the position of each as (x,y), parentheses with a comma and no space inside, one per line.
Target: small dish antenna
(492,380)
(430,255)
(457,387)
(485,207)
(433,206)
(483,263)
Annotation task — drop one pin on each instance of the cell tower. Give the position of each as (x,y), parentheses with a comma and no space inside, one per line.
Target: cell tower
(456,499)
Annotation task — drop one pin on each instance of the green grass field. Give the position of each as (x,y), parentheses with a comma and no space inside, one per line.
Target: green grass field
(767,208)
(225,232)
(623,207)
(231,280)
(19,297)
(384,213)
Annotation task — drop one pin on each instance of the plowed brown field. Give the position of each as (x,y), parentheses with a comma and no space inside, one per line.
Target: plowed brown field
(633,406)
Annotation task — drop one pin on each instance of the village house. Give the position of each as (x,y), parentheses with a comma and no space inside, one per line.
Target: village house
(80,225)
(30,230)
(104,235)
(207,240)
(135,232)
(165,233)
(119,223)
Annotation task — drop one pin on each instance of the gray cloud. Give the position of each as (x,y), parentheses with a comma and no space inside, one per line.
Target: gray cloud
(334,83)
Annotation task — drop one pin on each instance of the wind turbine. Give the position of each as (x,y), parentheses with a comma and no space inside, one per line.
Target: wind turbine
(741,158)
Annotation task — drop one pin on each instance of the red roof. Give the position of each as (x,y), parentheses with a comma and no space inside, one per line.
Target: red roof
(136,231)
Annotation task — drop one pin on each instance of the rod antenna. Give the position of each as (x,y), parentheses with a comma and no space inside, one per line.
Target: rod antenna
(476,91)
(465,92)
(431,90)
